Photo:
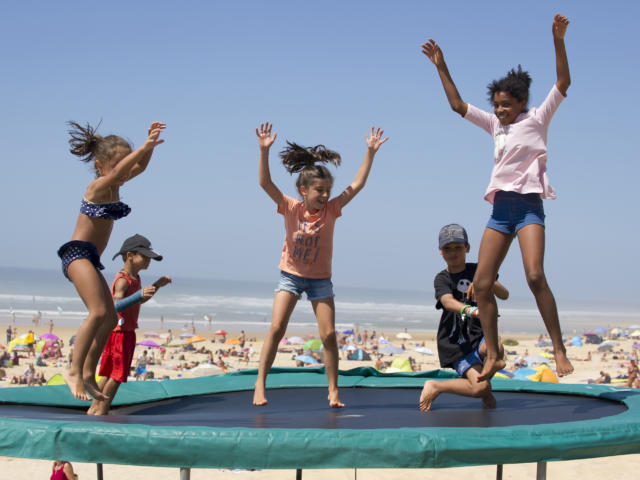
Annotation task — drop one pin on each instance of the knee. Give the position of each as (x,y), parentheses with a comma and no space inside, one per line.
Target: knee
(482,285)
(328,337)
(536,280)
(277,331)
(480,389)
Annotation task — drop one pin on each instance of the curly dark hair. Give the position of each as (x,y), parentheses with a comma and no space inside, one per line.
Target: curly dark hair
(516,83)
(88,145)
(296,158)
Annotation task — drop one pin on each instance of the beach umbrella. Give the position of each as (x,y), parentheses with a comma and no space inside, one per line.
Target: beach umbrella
(424,350)
(148,343)
(348,332)
(605,347)
(634,327)
(403,336)
(305,359)
(195,338)
(616,331)
(233,341)
(186,335)
(635,333)
(600,330)
(524,373)
(383,340)
(350,348)
(57,379)
(50,336)
(16,342)
(220,332)
(314,344)
(401,365)
(206,369)
(576,341)
(390,350)
(296,340)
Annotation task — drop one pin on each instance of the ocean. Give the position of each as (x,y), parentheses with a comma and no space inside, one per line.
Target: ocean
(246,305)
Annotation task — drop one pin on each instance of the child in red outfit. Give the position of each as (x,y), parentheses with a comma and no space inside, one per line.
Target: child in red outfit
(128,295)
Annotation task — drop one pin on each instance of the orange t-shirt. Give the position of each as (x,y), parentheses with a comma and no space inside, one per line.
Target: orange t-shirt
(308,241)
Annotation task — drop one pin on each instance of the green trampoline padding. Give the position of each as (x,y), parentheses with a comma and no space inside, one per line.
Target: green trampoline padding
(108,441)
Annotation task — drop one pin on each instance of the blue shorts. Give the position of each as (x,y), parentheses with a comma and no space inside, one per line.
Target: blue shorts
(315,288)
(76,249)
(512,211)
(461,366)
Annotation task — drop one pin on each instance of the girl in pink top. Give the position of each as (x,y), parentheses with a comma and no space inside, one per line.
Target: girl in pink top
(518,184)
(305,265)
(62,470)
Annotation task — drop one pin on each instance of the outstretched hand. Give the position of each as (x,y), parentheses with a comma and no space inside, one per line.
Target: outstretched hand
(162,281)
(375,139)
(431,49)
(265,139)
(154,132)
(559,28)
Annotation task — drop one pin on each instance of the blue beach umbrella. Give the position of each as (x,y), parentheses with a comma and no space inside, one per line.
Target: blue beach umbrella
(305,359)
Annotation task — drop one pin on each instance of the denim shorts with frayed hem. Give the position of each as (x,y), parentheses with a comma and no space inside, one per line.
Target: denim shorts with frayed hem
(315,288)
(512,211)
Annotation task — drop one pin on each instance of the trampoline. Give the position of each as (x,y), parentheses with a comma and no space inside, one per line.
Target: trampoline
(209,422)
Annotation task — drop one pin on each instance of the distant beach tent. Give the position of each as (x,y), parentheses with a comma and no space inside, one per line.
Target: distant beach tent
(305,359)
(399,365)
(57,379)
(510,342)
(390,350)
(348,332)
(314,344)
(593,338)
(576,341)
(296,340)
(403,336)
(359,354)
(535,359)
(424,350)
(205,369)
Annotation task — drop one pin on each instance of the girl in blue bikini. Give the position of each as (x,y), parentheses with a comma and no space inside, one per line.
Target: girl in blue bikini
(115,163)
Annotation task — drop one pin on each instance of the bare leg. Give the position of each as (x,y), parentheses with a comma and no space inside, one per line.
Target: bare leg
(325,311)
(531,239)
(493,248)
(109,387)
(95,294)
(467,387)
(283,305)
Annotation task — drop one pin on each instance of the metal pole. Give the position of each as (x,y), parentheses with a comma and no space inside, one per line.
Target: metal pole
(185,473)
(541,472)
(299,474)
(499,472)
(99,471)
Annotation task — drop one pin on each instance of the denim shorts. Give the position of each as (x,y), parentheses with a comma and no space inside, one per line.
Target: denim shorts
(473,358)
(315,288)
(512,211)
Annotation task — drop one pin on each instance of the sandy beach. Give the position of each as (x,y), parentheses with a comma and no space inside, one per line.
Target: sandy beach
(171,366)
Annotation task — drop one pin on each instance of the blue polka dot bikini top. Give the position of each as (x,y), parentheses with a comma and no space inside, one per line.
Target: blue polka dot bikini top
(108,211)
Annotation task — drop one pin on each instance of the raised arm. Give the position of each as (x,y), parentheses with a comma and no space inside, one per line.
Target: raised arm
(559,28)
(265,140)
(121,172)
(141,166)
(373,144)
(431,49)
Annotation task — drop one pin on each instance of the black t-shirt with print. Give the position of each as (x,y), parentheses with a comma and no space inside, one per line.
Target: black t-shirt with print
(456,338)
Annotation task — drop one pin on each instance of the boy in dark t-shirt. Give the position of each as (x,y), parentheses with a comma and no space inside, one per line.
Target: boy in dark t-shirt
(460,340)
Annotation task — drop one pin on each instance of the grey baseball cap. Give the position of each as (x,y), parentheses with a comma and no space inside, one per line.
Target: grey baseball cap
(452,233)
(138,243)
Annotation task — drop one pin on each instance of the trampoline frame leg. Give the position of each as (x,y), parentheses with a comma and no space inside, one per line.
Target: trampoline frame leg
(298,474)
(499,472)
(541,471)
(185,473)
(99,473)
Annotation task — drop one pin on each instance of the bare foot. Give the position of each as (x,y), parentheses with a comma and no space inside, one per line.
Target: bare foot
(489,401)
(259,397)
(428,395)
(334,400)
(490,367)
(93,389)
(563,365)
(76,385)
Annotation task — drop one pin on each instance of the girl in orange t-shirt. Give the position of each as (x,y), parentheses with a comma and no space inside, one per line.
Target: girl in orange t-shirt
(305,265)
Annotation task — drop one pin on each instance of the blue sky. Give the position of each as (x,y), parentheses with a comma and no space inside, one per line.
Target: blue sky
(322,72)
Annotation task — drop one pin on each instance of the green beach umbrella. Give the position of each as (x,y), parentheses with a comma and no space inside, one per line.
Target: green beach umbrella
(314,344)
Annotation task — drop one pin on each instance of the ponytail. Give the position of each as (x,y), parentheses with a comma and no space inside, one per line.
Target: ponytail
(90,146)
(296,158)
